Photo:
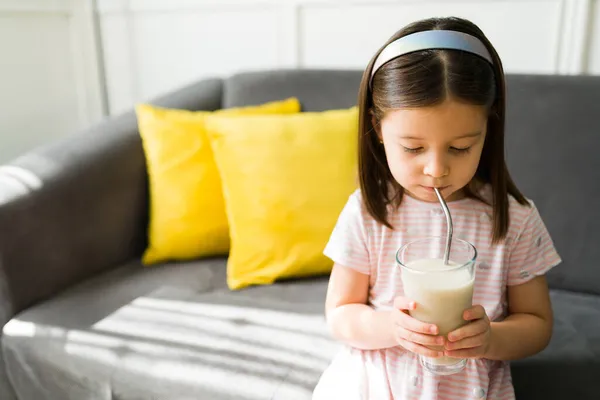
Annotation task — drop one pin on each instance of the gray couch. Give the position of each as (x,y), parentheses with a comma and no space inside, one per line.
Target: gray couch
(84,320)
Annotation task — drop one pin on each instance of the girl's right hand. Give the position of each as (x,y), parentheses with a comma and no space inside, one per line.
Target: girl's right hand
(412,334)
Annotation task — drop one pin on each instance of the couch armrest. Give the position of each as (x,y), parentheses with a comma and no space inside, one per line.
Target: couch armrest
(76,207)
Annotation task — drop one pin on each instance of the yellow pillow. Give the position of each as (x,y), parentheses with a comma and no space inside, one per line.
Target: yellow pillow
(285,180)
(187,212)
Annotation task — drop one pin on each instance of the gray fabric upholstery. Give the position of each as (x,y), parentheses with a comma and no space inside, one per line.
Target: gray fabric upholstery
(317,90)
(552,142)
(570,367)
(205,94)
(74,208)
(82,202)
(6,390)
(116,332)
(114,336)
(69,211)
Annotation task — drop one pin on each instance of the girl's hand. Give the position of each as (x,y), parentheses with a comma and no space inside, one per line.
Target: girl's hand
(415,335)
(473,339)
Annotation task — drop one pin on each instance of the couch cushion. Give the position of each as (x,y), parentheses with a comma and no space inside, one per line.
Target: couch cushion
(317,90)
(171,332)
(551,145)
(113,336)
(570,365)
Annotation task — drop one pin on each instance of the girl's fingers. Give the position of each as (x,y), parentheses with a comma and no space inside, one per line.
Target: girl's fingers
(469,330)
(406,321)
(468,343)
(419,349)
(475,352)
(475,312)
(419,338)
(404,304)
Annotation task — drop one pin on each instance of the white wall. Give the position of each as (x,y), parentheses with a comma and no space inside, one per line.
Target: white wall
(51,78)
(48,78)
(155,45)
(593,57)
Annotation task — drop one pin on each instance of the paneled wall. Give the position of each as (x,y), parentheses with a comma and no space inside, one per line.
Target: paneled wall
(152,46)
(49,81)
(64,64)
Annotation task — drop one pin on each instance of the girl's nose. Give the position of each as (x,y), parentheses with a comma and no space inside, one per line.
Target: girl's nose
(436,166)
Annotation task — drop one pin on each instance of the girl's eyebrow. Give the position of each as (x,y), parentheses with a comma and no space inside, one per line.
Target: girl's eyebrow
(468,135)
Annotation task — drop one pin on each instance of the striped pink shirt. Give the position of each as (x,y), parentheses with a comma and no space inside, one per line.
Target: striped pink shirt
(361,243)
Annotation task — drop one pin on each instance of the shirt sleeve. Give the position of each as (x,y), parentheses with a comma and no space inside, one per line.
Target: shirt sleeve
(348,244)
(533,252)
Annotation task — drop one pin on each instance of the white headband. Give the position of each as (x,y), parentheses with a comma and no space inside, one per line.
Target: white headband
(426,40)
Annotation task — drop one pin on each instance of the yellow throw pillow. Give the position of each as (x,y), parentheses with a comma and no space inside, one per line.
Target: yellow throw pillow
(187,212)
(285,180)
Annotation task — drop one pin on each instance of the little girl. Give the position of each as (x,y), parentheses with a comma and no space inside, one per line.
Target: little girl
(432,104)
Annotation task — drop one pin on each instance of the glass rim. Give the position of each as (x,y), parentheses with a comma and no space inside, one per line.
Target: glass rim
(450,268)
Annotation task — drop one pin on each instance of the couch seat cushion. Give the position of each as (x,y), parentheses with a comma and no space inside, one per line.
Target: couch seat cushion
(176,332)
(570,366)
(171,332)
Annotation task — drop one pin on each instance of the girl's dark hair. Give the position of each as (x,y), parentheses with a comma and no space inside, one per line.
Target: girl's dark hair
(427,78)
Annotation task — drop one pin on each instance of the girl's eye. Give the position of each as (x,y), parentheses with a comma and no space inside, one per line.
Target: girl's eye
(453,149)
(459,150)
(415,150)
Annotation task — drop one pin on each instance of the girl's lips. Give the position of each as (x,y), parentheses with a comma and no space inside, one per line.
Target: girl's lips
(430,188)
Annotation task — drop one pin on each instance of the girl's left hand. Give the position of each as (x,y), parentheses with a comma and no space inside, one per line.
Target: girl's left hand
(473,339)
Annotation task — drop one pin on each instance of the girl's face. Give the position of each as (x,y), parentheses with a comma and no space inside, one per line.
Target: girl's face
(437,146)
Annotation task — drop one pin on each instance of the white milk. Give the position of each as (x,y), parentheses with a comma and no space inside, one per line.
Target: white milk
(441,297)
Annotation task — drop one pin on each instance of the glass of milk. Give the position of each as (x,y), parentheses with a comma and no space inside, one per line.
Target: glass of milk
(442,291)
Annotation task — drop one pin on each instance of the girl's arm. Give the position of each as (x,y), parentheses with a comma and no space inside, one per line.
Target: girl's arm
(357,324)
(528,328)
(349,318)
